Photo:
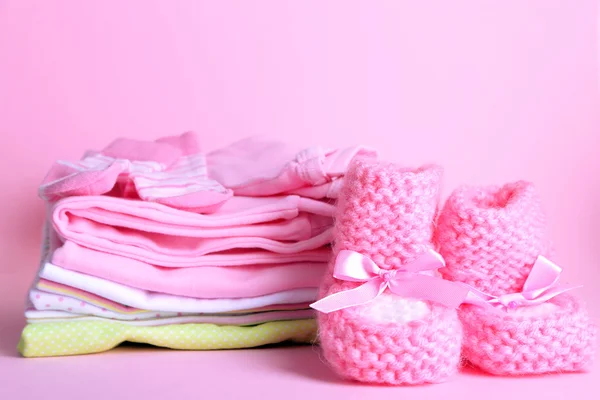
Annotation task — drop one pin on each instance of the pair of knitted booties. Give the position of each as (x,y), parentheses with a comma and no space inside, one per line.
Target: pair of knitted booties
(387,313)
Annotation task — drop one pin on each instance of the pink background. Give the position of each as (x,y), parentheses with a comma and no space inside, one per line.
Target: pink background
(492,90)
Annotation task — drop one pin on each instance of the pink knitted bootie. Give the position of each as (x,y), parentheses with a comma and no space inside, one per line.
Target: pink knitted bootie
(384,221)
(494,239)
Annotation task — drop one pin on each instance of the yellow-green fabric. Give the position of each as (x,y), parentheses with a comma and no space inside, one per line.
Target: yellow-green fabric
(85,337)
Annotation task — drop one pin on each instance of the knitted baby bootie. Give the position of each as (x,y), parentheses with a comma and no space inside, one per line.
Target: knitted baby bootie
(494,239)
(384,221)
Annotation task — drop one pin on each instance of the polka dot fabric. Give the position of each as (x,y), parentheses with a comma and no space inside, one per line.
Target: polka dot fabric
(490,238)
(386,213)
(85,337)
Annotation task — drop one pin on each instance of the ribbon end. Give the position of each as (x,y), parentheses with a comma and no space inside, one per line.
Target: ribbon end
(439,257)
(318,306)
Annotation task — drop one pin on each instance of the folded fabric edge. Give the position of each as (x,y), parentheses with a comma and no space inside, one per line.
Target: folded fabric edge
(88,337)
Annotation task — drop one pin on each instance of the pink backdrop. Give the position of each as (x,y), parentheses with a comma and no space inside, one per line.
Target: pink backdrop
(492,90)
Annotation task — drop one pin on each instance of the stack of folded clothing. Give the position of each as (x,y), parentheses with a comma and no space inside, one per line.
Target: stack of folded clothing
(158,243)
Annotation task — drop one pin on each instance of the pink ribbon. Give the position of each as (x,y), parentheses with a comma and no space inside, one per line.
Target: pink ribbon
(406,281)
(541,285)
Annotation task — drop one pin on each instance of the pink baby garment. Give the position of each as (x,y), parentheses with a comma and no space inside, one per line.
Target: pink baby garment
(232,258)
(147,300)
(171,171)
(262,167)
(39,317)
(49,307)
(164,236)
(66,296)
(205,282)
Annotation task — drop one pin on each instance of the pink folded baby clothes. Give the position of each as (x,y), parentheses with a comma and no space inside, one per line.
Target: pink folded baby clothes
(49,307)
(147,300)
(48,295)
(206,282)
(39,317)
(385,215)
(262,167)
(161,235)
(147,233)
(232,258)
(491,239)
(171,171)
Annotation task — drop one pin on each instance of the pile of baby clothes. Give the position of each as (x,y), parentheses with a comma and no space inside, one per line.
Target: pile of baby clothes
(159,243)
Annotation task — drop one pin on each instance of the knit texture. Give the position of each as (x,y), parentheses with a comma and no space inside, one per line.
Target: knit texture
(386,213)
(490,238)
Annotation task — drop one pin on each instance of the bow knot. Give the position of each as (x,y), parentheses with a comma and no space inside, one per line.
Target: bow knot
(541,285)
(410,280)
(387,276)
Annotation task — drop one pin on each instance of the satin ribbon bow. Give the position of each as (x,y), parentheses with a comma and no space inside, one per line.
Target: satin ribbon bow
(406,281)
(541,285)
